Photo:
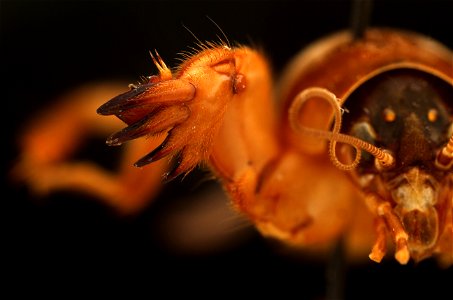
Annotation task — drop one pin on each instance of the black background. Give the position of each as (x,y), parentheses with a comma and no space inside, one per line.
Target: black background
(50,47)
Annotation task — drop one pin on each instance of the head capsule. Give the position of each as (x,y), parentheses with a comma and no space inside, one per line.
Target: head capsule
(395,89)
(406,109)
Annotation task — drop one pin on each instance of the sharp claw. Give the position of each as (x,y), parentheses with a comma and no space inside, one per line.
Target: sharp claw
(123,101)
(160,152)
(183,162)
(153,124)
(131,132)
(140,101)
(173,173)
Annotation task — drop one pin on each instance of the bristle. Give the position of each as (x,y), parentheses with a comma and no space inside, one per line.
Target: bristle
(186,55)
(227,41)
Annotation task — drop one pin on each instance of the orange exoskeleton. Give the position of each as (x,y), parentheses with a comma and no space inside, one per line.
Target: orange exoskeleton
(285,164)
(397,95)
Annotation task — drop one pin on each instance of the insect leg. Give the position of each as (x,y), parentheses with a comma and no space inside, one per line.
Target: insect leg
(380,245)
(50,141)
(384,210)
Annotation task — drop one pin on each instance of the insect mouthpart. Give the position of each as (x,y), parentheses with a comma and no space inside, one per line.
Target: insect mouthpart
(415,194)
(444,159)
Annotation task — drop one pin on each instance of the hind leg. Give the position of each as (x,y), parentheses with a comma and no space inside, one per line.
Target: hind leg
(50,140)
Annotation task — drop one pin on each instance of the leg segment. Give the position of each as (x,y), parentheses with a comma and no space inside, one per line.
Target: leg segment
(383,210)
(380,245)
(50,140)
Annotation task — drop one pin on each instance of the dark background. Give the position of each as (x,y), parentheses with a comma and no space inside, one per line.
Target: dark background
(51,47)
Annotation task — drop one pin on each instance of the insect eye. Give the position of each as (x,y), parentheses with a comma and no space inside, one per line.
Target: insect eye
(432,115)
(389,115)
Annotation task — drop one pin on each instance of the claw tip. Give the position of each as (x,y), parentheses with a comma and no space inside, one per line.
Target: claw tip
(113,142)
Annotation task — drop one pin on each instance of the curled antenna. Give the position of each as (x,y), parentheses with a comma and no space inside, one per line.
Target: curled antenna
(360,17)
(384,159)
